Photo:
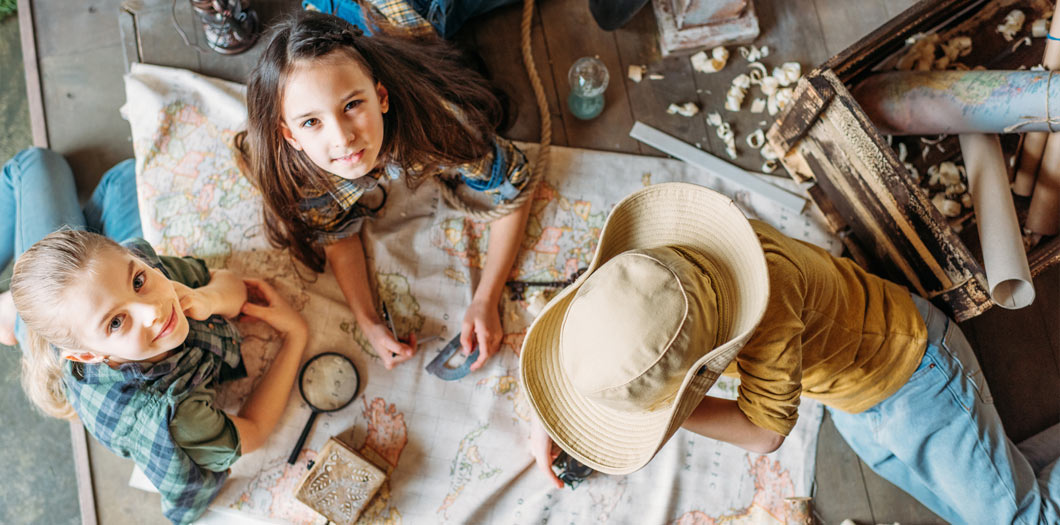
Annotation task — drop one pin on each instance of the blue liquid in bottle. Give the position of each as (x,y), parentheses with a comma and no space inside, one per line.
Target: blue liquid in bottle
(588,80)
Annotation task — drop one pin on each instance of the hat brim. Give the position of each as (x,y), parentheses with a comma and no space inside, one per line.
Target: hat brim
(620,442)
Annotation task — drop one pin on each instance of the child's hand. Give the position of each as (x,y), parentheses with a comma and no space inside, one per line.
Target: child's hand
(390,350)
(223,295)
(196,303)
(543,450)
(482,325)
(229,292)
(264,303)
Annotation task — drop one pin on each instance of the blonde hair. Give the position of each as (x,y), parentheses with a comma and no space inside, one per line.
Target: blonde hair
(41,275)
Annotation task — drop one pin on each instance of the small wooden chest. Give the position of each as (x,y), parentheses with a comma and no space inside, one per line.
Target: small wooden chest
(340,484)
(870,199)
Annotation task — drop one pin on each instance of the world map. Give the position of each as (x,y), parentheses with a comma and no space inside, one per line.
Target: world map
(454,452)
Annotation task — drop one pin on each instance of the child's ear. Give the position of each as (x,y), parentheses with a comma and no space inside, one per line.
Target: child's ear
(384,97)
(82,357)
(286,132)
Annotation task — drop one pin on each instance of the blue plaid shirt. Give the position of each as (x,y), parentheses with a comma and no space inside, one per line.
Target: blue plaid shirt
(398,13)
(129,409)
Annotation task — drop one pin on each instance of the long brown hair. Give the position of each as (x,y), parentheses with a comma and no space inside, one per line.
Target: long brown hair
(42,275)
(421,76)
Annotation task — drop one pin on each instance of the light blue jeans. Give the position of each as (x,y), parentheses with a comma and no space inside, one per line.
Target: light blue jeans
(38,196)
(939,438)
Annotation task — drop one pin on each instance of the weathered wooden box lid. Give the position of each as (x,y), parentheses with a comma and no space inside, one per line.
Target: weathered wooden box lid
(870,200)
(340,484)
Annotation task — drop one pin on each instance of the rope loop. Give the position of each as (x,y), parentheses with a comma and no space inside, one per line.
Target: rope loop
(540,165)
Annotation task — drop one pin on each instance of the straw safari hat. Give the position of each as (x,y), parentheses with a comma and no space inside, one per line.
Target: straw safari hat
(618,360)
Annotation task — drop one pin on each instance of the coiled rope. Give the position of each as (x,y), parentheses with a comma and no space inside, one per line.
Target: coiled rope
(540,165)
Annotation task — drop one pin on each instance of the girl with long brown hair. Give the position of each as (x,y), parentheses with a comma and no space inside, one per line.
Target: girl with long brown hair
(331,111)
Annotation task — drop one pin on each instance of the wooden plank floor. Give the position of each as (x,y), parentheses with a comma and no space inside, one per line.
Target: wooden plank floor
(82,54)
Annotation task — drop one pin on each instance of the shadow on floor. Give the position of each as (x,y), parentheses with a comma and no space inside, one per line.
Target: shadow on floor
(35,451)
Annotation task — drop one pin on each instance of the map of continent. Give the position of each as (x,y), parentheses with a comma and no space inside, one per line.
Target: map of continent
(560,238)
(467,468)
(464,239)
(561,235)
(507,387)
(968,89)
(395,292)
(383,444)
(200,202)
(270,492)
(772,483)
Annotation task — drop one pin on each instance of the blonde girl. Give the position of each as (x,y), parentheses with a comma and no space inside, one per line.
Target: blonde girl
(130,342)
(332,111)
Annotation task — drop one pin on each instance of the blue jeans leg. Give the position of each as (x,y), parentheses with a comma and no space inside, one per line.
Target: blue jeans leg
(856,430)
(113,209)
(448,16)
(940,439)
(38,196)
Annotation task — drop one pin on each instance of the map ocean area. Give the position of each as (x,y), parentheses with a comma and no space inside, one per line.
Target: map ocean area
(455,452)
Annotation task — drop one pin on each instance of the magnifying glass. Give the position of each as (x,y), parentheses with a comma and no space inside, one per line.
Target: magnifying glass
(328,382)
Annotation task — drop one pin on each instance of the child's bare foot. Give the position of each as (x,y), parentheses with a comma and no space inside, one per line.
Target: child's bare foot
(7,319)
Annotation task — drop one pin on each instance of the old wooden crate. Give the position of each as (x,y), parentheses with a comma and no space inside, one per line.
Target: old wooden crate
(883,216)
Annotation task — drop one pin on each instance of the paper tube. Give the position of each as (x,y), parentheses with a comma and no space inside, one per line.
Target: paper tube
(954,102)
(1043,217)
(1051,58)
(1034,143)
(1030,159)
(1008,277)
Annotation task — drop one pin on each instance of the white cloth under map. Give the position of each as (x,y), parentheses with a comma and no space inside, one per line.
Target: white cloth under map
(455,451)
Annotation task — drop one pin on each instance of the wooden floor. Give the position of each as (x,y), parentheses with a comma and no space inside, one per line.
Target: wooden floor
(82,55)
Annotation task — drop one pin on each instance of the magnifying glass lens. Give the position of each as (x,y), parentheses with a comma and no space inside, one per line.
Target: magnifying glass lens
(329,382)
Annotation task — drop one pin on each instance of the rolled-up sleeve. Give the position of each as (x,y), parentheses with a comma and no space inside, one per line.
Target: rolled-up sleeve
(205,432)
(770,365)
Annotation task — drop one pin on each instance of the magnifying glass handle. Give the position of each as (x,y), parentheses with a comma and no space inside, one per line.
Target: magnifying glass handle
(301,439)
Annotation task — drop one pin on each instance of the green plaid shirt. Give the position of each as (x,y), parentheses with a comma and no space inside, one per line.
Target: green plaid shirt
(128,410)
(336,215)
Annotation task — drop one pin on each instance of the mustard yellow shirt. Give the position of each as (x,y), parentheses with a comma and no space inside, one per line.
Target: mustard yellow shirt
(831,331)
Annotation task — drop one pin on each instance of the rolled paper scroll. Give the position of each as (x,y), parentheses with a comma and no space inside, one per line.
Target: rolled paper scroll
(953,102)
(1008,277)
(1051,58)
(1034,143)
(1030,159)
(1043,217)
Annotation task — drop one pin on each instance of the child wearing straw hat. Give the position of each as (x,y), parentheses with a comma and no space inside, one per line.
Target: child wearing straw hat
(683,288)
